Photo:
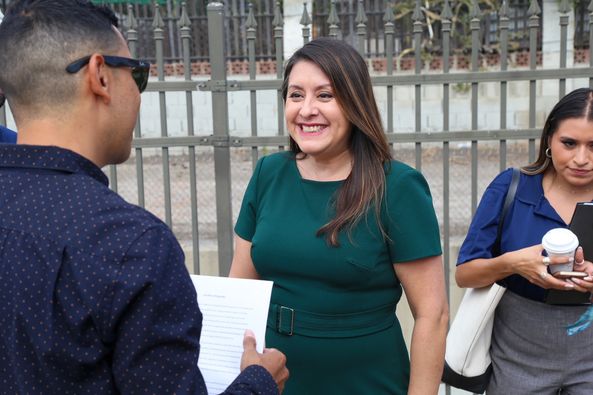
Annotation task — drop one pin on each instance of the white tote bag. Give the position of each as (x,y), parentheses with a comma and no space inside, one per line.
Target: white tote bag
(467,358)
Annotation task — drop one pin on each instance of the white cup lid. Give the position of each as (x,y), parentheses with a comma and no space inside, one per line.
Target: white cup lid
(560,241)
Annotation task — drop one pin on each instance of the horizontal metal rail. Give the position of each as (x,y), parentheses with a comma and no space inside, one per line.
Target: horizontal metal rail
(278,141)
(387,80)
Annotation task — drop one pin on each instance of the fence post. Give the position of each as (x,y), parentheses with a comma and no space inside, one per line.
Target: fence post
(417,18)
(361,28)
(388,18)
(251,26)
(564,9)
(475,31)
(504,44)
(533,12)
(333,20)
(159,37)
(278,24)
(185,33)
(305,22)
(131,25)
(446,16)
(222,157)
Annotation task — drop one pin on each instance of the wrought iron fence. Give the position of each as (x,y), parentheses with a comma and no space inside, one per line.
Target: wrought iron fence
(237,11)
(346,17)
(236,14)
(223,146)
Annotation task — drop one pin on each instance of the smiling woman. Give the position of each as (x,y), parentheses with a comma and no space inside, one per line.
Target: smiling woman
(317,125)
(341,229)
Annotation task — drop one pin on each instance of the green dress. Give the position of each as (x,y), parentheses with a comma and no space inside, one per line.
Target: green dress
(336,325)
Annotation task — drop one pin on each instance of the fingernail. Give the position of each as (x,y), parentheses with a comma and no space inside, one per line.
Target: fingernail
(588,278)
(570,259)
(568,286)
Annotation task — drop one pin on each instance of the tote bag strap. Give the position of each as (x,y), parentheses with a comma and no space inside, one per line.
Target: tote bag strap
(505,208)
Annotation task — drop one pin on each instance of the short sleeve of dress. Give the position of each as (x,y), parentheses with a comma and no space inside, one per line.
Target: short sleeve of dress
(245,226)
(481,234)
(413,228)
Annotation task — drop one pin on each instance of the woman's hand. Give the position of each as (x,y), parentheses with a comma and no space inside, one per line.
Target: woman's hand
(529,263)
(581,265)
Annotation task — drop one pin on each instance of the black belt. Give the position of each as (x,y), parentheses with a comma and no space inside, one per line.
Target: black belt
(289,321)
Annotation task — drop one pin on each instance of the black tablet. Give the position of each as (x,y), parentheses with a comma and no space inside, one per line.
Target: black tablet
(581,225)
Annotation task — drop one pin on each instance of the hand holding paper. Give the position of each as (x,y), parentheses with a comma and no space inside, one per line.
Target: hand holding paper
(273,360)
(230,306)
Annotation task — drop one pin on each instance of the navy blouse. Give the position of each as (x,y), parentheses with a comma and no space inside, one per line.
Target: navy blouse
(7,135)
(530,216)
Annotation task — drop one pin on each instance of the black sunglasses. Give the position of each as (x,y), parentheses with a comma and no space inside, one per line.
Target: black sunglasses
(140,68)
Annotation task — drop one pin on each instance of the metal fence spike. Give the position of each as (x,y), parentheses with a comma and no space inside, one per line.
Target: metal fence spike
(184,21)
(504,9)
(305,18)
(157,22)
(388,16)
(417,14)
(446,13)
(278,20)
(361,17)
(250,23)
(333,15)
(475,13)
(130,23)
(534,8)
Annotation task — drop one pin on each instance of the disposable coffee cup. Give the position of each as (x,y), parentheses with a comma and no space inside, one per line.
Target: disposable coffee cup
(560,242)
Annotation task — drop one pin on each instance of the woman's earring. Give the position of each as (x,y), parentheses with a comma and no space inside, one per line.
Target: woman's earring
(548,152)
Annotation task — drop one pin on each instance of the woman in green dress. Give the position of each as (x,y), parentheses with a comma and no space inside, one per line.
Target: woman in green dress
(341,228)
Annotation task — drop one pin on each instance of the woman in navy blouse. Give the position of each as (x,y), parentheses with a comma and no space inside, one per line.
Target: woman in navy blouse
(531,353)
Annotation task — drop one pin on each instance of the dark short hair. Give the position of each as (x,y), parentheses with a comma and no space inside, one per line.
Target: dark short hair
(39,38)
(577,104)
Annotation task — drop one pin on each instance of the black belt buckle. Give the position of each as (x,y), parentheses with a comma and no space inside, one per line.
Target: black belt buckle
(285,314)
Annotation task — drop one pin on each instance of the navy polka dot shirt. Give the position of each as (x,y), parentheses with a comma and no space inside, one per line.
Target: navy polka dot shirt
(94,294)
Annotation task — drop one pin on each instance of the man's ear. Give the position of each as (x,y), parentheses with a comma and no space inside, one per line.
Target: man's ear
(99,78)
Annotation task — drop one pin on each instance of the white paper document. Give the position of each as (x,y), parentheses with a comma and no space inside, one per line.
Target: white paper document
(229,306)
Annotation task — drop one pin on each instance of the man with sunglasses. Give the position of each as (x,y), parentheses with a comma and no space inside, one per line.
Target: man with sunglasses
(94,293)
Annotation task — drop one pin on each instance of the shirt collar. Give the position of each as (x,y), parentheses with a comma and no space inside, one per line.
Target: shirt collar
(532,192)
(49,158)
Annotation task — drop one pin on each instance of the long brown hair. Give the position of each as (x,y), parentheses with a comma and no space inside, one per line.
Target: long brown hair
(351,84)
(576,104)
